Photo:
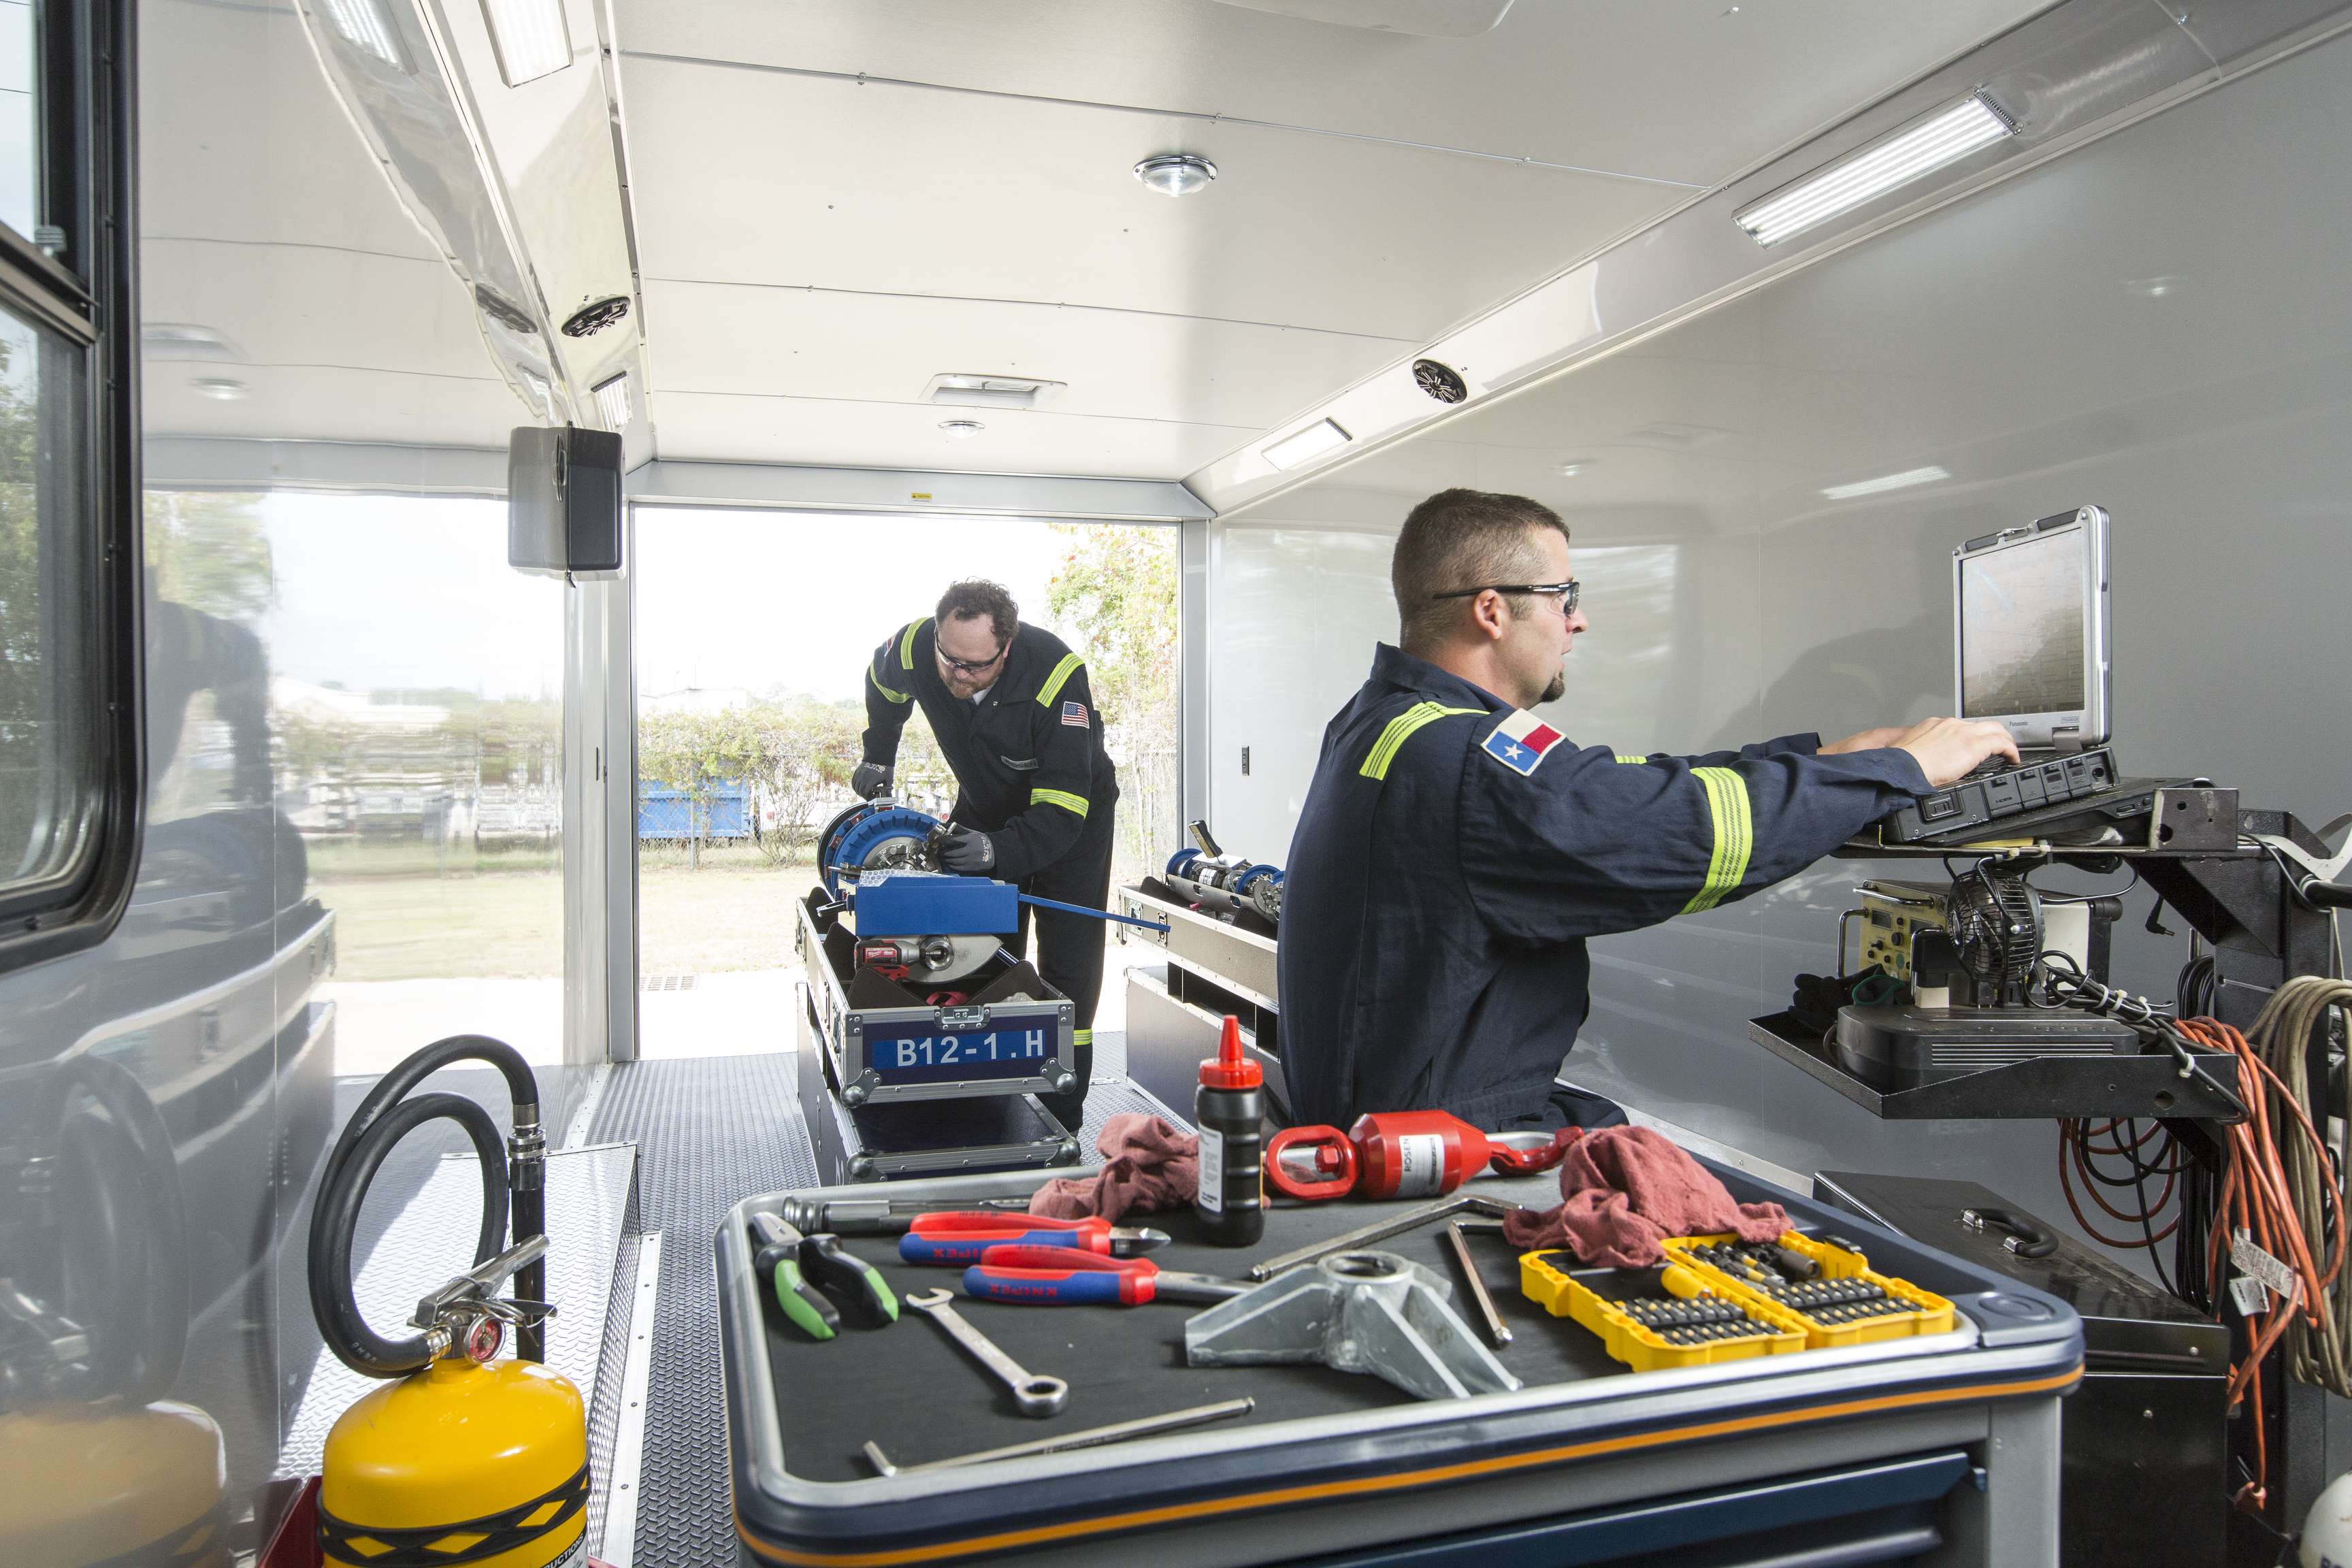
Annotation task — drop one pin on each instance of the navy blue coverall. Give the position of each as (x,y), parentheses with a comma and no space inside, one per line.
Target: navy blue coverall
(1032,773)
(1455,853)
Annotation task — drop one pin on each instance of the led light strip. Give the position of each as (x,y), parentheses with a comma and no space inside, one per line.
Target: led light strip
(1943,139)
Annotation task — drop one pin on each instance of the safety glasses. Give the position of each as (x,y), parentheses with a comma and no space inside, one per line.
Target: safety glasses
(970,667)
(1566,593)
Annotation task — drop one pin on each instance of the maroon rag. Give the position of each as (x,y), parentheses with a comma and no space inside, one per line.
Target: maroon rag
(1146,1165)
(1626,1188)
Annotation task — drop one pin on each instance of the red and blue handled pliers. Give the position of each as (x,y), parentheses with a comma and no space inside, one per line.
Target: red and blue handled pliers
(961,1237)
(1059,1277)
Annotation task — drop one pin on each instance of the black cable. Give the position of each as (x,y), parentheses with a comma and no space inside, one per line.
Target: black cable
(2048,896)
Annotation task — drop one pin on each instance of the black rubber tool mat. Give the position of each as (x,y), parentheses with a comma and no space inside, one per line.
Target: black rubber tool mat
(710,1132)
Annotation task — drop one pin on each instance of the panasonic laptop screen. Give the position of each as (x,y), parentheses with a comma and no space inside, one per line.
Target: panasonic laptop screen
(2032,630)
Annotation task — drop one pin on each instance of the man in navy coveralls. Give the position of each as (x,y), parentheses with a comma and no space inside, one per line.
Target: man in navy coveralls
(1455,851)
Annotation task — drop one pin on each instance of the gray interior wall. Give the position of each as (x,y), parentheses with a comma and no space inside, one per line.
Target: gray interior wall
(2157,324)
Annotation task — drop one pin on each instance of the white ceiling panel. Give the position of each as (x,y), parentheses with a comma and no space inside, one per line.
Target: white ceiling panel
(898,190)
(886,348)
(308,402)
(255,148)
(280,304)
(723,428)
(1688,90)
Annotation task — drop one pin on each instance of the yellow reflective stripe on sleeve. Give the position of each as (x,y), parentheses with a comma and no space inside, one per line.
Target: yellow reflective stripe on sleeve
(1735,834)
(1060,678)
(1401,729)
(907,645)
(1624,758)
(1060,797)
(1082,1036)
(893,696)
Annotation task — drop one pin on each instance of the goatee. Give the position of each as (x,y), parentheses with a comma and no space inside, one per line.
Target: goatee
(1557,690)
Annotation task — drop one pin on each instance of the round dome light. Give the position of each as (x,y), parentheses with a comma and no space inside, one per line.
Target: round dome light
(1176,174)
(219,388)
(961,429)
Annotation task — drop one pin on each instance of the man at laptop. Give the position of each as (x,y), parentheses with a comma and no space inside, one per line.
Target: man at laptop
(1455,851)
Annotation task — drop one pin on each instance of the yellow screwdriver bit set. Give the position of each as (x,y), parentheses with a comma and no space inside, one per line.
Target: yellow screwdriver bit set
(1718,1299)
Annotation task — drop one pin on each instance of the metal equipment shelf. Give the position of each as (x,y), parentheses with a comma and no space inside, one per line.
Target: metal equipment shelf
(2031,1090)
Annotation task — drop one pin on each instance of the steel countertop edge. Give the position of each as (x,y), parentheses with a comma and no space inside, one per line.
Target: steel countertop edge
(2025,1344)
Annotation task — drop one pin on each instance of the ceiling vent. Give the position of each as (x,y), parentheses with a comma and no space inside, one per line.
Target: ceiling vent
(969,391)
(595,316)
(1420,18)
(1441,382)
(184,340)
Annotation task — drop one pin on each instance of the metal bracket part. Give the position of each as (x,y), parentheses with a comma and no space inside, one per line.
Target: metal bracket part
(1354,1312)
(2194,819)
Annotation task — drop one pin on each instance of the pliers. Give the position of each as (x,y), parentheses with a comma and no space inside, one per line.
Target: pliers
(799,1264)
(1062,1276)
(961,1237)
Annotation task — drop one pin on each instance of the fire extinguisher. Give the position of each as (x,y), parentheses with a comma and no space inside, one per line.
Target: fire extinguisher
(455,1443)
(1404,1154)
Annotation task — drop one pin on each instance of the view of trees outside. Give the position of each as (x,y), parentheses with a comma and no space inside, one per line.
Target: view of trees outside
(754,630)
(41,732)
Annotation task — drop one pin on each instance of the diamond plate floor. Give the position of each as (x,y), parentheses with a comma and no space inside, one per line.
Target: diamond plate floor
(709,1133)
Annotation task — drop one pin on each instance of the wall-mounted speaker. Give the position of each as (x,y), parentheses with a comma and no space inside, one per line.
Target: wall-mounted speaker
(563,501)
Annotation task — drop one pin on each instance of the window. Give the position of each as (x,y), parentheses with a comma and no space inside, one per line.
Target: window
(69,767)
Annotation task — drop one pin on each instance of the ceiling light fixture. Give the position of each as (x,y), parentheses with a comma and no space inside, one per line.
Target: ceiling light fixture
(366,29)
(2155,288)
(1942,139)
(613,402)
(220,388)
(1176,174)
(961,429)
(1323,436)
(1902,482)
(530,37)
(1569,470)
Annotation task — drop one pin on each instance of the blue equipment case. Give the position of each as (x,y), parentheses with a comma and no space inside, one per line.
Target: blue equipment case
(1013,1034)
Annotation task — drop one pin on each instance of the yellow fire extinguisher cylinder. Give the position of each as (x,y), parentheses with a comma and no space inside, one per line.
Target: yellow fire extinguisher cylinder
(482,1465)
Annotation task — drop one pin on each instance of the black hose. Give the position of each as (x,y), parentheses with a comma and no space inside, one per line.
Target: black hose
(335,1222)
(383,1118)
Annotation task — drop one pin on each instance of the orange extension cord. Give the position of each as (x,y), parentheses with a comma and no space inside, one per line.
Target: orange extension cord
(2254,1198)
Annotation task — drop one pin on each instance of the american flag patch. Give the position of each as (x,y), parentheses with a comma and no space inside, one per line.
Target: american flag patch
(1521,741)
(1075,714)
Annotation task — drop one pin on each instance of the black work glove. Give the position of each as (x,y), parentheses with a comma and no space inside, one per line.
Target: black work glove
(967,852)
(870,780)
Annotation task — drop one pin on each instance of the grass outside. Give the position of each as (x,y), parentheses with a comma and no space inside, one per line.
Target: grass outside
(395,920)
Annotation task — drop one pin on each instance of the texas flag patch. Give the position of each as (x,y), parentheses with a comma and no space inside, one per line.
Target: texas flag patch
(1521,741)
(1075,714)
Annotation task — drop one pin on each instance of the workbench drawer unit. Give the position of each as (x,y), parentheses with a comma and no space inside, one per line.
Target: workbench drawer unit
(1939,1449)
(1015,1035)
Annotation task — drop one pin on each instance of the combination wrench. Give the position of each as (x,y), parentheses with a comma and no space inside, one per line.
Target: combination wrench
(1035,1395)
